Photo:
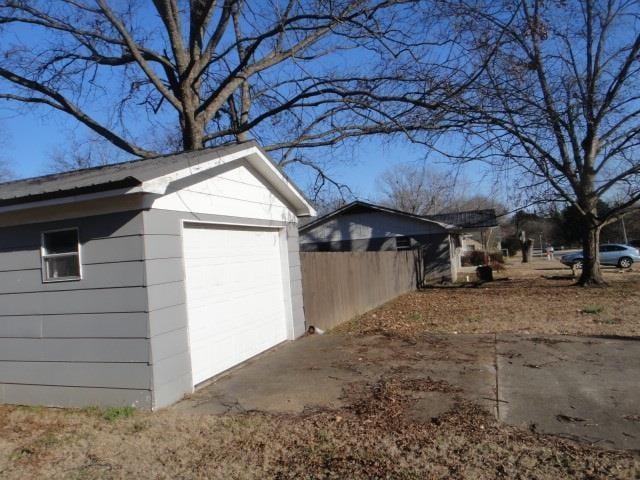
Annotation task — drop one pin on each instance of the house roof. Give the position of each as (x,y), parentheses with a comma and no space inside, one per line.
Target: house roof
(469,219)
(151,175)
(360,206)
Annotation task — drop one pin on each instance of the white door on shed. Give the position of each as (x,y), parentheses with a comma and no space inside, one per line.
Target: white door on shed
(235,295)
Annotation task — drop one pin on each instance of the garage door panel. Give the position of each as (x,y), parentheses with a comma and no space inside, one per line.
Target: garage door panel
(235,296)
(227,301)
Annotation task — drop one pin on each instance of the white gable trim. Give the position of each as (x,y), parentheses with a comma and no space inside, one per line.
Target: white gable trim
(256,159)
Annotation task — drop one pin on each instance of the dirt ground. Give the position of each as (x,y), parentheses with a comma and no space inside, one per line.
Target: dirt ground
(370,438)
(539,297)
(374,431)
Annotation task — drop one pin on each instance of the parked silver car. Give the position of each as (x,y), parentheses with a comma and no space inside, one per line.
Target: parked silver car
(616,254)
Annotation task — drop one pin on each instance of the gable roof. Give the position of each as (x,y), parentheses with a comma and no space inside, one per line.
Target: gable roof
(469,219)
(359,206)
(152,175)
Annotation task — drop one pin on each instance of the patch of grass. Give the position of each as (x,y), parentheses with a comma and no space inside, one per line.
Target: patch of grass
(43,442)
(49,439)
(92,411)
(592,310)
(523,301)
(33,408)
(138,427)
(21,452)
(112,414)
(607,321)
(109,414)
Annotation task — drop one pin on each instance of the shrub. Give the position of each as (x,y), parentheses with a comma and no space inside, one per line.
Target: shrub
(497,266)
(111,414)
(512,244)
(496,257)
(473,258)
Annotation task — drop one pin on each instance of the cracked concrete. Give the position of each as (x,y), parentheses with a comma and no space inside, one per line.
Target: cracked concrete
(584,388)
(313,371)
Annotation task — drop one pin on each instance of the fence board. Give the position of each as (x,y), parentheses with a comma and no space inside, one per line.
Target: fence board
(338,286)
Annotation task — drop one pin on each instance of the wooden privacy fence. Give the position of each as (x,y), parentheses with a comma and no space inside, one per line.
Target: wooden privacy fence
(338,286)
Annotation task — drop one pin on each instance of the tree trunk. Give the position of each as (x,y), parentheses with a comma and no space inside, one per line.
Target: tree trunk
(192,134)
(591,273)
(525,248)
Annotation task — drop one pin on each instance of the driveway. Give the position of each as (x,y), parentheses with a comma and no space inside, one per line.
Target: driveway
(583,388)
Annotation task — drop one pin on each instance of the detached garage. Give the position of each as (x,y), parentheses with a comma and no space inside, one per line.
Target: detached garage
(130,284)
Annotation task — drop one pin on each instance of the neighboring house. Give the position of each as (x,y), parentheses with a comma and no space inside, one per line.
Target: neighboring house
(361,226)
(130,284)
(480,229)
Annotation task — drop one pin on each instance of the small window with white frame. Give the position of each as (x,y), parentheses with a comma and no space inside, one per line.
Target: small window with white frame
(61,255)
(403,243)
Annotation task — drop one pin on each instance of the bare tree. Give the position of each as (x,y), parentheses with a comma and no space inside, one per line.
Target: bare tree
(418,188)
(560,102)
(466,201)
(423,189)
(330,200)
(295,74)
(79,152)
(6,173)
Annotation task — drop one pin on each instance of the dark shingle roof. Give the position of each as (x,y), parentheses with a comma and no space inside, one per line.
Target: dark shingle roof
(360,206)
(469,219)
(133,175)
(105,176)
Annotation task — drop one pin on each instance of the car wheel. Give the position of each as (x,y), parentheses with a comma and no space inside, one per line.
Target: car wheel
(577,264)
(625,262)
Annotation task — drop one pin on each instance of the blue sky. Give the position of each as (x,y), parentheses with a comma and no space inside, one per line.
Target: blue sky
(31,137)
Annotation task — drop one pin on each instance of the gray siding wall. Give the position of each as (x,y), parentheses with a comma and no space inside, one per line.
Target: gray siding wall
(119,335)
(364,226)
(170,358)
(437,260)
(80,342)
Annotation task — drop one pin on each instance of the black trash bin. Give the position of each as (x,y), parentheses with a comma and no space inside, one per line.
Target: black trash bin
(484,273)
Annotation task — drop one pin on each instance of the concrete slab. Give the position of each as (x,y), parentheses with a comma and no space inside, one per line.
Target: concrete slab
(294,376)
(582,388)
(313,372)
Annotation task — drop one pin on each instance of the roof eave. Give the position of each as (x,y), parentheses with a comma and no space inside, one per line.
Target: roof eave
(148,180)
(378,208)
(27,203)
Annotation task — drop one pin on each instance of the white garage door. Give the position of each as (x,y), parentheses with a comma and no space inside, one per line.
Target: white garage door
(235,299)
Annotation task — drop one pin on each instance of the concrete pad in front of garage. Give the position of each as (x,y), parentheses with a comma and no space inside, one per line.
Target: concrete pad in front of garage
(583,388)
(312,372)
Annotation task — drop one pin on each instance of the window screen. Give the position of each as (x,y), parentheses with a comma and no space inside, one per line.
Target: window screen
(403,243)
(60,255)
